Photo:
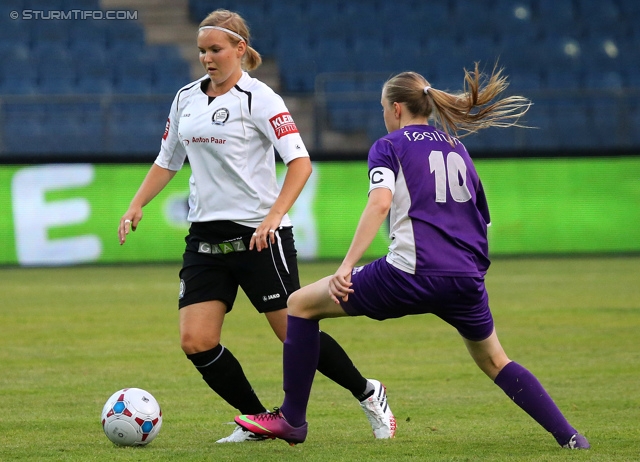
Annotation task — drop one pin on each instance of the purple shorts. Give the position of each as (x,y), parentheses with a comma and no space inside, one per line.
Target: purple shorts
(382,291)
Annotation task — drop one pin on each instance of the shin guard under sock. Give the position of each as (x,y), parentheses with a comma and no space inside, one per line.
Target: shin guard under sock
(224,374)
(336,365)
(300,360)
(526,391)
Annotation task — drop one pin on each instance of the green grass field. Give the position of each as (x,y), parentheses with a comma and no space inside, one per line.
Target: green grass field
(70,337)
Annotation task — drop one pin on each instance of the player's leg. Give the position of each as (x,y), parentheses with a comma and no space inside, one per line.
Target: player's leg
(301,353)
(275,272)
(524,389)
(200,328)
(333,362)
(307,349)
(300,357)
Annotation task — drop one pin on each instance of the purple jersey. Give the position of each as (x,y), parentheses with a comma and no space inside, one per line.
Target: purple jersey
(439,215)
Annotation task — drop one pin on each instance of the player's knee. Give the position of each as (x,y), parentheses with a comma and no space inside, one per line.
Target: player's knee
(294,304)
(191,343)
(492,365)
(297,305)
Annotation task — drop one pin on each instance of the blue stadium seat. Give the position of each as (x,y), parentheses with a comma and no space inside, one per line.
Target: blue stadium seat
(333,55)
(368,54)
(124,35)
(319,12)
(94,69)
(56,79)
(23,128)
(631,77)
(600,17)
(133,70)
(629,8)
(472,17)
(606,121)
(572,122)
(55,69)
(298,70)
(62,126)
(170,74)
(603,80)
(14,33)
(479,48)
(86,5)
(557,18)
(84,33)
(44,5)
(136,126)
(18,75)
(403,54)
(518,59)
(347,110)
(11,5)
(634,123)
(51,32)
(523,81)
(543,133)
(375,127)
(556,79)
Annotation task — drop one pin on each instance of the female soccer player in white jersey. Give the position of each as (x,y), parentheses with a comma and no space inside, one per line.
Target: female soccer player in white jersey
(438,256)
(228,125)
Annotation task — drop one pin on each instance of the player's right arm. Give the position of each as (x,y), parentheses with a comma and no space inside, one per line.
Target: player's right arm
(169,161)
(371,220)
(155,181)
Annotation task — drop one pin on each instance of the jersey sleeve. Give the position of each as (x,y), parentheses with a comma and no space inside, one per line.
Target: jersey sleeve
(383,166)
(172,153)
(274,120)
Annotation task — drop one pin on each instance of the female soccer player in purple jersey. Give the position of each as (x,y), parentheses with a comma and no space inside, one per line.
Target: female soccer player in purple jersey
(424,178)
(228,124)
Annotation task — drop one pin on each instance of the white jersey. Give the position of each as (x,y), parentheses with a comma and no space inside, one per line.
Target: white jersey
(230,143)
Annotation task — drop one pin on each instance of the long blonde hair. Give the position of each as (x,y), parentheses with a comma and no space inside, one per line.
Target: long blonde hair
(468,111)
(235,23)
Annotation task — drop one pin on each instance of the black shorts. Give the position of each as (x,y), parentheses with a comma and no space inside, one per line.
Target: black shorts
(217,261)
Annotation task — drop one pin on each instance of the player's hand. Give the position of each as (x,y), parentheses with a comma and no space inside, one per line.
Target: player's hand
(263,233)
(340,285)
(128,222)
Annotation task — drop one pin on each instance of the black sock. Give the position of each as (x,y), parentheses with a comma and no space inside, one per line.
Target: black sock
(224,374)
(337,366)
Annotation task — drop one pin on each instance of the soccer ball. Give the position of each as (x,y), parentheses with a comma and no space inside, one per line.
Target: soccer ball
(131,417)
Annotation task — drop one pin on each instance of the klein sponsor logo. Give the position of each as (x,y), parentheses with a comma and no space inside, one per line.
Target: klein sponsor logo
(283,124)
(166,129)
(266,298)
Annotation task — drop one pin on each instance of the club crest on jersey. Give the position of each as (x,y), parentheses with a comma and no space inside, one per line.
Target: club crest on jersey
(220,116)
(283,124)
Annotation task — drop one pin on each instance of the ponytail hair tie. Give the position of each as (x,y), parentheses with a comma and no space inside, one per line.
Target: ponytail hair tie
(426,89)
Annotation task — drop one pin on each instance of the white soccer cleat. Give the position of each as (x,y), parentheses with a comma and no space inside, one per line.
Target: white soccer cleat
(240,435)
(377,410)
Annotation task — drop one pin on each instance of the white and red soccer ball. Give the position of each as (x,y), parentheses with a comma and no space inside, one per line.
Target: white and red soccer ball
(131,417)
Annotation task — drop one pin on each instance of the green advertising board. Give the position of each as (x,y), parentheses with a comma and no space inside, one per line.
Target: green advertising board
(566,205)
(59,214)
(63,214)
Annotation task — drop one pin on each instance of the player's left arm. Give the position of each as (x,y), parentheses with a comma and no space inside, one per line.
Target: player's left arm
(273,119)
(298,172)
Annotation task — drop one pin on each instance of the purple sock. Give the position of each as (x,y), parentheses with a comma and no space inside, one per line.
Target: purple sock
(524,389)
(300,357)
